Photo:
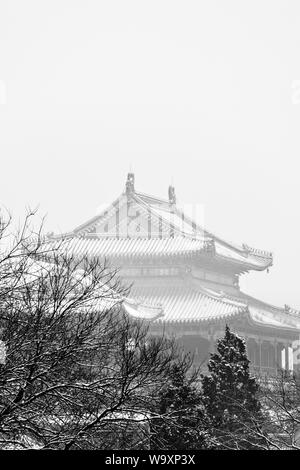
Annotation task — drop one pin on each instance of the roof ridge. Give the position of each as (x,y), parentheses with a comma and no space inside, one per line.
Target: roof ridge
(243,249)
(104,214)
(221,296)
(286,309)
(166,222)
(154,198)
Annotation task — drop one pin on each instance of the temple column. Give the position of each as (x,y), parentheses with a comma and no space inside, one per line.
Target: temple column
(265,354)
(280,356)
(275,355)
(286,349)
(196,355)
(291,358)
(283,354)
(256,353)
(272,356)
(259,354)
(288,357)
(212,341)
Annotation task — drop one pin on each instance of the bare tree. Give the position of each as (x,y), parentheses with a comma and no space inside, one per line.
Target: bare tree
(76,367)
(280,397)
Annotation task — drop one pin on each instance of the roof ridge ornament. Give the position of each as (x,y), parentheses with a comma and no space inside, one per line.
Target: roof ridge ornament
(172,195)
(130,184)
(257,252)
(287,309)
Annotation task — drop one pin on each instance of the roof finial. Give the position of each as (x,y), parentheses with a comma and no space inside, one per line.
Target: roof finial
(130,183)
(172,196)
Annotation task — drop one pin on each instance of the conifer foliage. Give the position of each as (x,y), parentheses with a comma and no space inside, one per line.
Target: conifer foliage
(181,408)
(230,395)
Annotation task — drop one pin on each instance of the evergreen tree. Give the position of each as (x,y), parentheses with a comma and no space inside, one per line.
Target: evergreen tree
(182,413)
(230,395)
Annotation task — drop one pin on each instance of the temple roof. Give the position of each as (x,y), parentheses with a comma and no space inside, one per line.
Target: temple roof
(178,301)
(107,247)
(139,225)
(182,303)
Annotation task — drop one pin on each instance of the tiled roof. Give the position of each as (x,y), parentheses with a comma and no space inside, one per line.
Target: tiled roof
(187,235)
(128,247)
(258,262)
(264,313)
(142,311)
(181,303)
(184,224)
(101,246)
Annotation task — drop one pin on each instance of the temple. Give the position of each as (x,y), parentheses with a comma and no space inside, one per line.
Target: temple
(185,279)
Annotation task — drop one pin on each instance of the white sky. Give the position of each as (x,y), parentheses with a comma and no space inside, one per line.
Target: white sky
(204,93)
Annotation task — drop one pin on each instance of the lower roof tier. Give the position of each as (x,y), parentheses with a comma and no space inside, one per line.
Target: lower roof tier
(180,303)
(173,300)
